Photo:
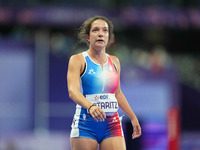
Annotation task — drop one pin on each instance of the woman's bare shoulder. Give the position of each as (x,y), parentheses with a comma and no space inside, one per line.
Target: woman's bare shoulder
(77,58)
(114,59)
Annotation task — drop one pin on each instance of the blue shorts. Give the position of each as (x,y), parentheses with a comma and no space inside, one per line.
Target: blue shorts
(85,126)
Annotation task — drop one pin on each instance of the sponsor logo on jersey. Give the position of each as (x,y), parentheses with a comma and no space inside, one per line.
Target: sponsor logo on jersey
(84,116)
(104,97)
(114,119)
(91,71)
(96,97)
(101,97)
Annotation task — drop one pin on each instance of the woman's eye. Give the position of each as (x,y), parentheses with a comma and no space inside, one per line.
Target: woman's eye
(95,30)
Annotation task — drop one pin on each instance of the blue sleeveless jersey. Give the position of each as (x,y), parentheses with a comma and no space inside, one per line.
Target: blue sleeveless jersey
(97,80)
(99,86)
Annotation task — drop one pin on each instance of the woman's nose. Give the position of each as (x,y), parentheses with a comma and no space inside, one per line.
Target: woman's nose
(100,33)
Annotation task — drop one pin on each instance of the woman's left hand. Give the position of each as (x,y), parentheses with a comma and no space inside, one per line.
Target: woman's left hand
(136,129)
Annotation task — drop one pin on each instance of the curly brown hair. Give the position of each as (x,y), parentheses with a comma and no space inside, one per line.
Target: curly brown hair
(86,26)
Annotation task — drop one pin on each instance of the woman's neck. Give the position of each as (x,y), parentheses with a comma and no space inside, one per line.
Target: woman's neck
(98,56)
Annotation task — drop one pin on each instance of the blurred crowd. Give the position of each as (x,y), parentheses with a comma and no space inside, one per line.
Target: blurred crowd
(157,58)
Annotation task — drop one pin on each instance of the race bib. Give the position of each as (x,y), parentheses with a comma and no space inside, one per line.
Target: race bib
(107,102)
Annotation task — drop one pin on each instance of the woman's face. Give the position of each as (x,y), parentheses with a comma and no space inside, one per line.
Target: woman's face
(99,34)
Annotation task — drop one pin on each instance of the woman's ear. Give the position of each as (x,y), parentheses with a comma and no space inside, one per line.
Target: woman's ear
(87,38)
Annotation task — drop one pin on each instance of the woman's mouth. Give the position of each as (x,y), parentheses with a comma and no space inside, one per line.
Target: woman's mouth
(100,40)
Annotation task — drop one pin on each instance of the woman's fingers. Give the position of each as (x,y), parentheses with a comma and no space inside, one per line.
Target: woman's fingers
(94,116)
(102,114)
(97,113)
(136,132)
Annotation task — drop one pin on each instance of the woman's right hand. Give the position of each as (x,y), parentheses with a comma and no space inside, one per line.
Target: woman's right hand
(97,113)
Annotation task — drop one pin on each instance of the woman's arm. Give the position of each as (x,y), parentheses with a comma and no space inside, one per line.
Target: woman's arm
(75,68)
(124,105)
(73,81)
